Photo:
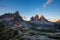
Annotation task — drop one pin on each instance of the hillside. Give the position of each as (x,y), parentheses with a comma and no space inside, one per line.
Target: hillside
(13,27)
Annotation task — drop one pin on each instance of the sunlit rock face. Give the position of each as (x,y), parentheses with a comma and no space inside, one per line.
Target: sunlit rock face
(42,18)
(40,21)
(35,18)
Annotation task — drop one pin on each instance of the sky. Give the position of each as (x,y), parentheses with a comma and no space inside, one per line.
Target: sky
(28,8)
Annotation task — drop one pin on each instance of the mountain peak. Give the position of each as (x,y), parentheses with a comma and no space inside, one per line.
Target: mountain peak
(42,18)
(17,13)
(36,17)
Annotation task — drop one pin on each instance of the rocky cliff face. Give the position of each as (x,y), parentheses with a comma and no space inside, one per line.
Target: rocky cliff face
(10,19)
(35,29)
(33,33)
(35,18)
(10,15)
(42,18)
(32,18)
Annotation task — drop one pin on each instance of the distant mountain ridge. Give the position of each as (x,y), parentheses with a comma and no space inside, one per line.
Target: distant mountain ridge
(16,14)
(37,18)
(9,15)
(14,27)
(14,19)
(58,21)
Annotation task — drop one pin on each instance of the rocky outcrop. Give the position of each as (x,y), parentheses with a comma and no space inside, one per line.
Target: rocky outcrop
(35,18)
(32,19)
(9,15)
(7,33)
(13,27)
(42,18)
(10,19)
(42,21)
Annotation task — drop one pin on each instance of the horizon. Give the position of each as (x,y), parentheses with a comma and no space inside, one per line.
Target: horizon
(24,18)
(28,8)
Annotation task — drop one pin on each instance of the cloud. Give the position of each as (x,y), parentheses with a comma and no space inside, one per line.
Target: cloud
(38,9)
(47,3)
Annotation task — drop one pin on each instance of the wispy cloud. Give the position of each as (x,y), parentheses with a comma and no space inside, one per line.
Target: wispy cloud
(38,9)
(47,3)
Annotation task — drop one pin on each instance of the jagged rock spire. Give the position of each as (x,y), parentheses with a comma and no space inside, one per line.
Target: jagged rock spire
(32,19)
(42,18)
(36,17)
(17,13)
(17,16)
